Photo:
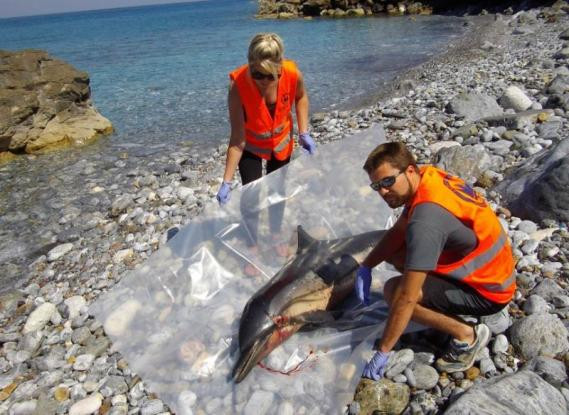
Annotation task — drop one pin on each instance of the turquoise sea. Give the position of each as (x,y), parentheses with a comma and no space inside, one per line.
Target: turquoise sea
(159,73)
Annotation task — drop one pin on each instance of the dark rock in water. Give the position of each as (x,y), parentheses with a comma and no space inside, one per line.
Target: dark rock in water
(539,334)
(383,396)
(538,189)
(520,393)
(45,103)
(474,106)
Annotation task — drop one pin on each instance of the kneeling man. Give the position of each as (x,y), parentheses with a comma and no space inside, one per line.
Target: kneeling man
(454,256)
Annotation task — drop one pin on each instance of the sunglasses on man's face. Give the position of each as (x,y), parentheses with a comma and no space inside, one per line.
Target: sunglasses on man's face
(385,183)
(259,76)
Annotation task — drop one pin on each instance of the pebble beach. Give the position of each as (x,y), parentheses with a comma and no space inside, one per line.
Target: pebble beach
(55,358)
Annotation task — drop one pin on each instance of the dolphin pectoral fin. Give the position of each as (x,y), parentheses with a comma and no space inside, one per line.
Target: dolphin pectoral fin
(331,271)
(304,239)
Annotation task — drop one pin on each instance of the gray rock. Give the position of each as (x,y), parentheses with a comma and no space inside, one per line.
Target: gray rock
(474,106)
(520,393)
(527,226)
(515,121)
(559,85)
(426,377)
(464,161)
(515,98)
(547,289)
(487,367)
(398,362)
(114,385)
(498,322)
(500,344)
(535,305)
(549,130)
(539,334)
(537,190)
(121,204)
(551,370)
(152,407)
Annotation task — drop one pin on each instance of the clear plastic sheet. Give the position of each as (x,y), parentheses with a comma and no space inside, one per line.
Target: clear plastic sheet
(176,318)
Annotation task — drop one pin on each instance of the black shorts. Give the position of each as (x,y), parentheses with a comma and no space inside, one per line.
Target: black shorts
(455,298)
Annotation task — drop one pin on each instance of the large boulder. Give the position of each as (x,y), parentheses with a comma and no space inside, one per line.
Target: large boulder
(467,162)
(523,392)
(539,334)
(538,189)
(45,103)
(384,396)
(474,106)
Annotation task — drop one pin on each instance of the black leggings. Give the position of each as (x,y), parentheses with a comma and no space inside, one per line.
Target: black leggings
(251,169)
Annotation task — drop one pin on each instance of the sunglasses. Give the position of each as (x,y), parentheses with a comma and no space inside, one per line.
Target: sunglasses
(259,76)
(385,183)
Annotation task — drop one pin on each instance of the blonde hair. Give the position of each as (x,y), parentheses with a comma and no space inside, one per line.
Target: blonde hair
(266,51)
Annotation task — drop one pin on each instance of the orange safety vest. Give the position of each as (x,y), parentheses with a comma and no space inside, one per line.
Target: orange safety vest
(263,134)
(489,268)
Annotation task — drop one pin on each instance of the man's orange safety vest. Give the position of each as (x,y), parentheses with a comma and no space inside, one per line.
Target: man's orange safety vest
(263,134)
(489,268)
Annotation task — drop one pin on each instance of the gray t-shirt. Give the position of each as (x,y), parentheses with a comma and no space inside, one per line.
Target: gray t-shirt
(432,229)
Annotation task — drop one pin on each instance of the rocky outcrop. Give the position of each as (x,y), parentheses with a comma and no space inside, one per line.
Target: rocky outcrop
(520,393)
(537,190)
(45,103)
(286,9)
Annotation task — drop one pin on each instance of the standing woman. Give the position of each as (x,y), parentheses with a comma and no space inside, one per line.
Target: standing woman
(261,95)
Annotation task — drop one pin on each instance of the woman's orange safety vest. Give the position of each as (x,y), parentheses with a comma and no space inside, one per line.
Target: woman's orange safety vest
(489,268)
(263,134)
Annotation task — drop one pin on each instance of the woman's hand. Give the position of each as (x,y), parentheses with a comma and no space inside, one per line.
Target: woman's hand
(307,143)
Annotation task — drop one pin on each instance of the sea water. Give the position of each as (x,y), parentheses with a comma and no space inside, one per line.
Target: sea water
(160,73)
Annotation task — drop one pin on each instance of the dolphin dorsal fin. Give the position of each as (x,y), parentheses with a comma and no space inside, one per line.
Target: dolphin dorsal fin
(304,239)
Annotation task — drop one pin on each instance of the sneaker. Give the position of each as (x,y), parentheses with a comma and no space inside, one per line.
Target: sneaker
(460,355)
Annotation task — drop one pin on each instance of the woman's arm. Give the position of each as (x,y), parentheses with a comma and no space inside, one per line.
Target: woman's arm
(237,138)
(302,104)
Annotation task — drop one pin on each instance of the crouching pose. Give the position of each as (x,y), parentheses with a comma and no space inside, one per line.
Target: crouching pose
(454,256)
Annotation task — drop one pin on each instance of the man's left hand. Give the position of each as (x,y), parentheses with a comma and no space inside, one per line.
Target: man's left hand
(375,368)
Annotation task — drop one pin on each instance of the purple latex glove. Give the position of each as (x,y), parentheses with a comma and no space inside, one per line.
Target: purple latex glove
(224,193)
(307,143)
(375,368)
(363,284)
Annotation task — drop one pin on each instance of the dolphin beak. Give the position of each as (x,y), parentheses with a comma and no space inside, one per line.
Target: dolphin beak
(249,359)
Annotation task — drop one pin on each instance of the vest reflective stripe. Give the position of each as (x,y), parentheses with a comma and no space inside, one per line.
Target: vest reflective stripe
(500,287)
(490,267)
(479,261)
(282,145)
(268,134)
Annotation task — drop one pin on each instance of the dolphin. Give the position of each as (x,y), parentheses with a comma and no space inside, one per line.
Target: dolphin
(302,294)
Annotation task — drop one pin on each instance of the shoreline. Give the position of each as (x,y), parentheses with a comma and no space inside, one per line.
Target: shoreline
(96,249)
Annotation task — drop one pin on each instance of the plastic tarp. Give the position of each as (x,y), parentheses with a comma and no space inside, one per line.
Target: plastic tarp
(176,317)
